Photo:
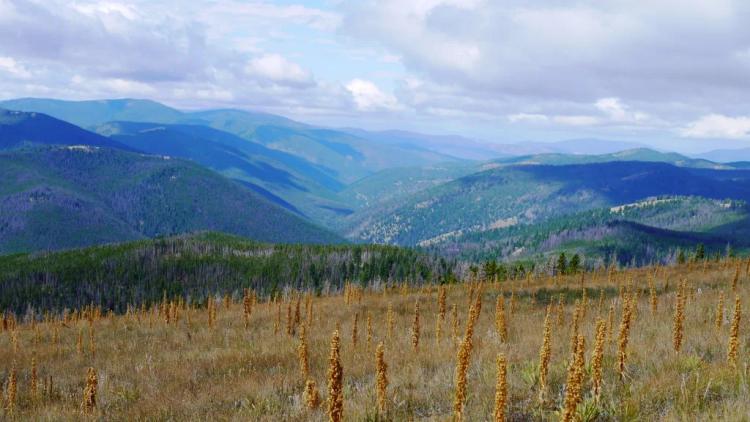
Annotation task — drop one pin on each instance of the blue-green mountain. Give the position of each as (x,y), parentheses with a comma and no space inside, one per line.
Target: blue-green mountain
(299,166)
(19,129)
(521,194)
(56,197)
(350,157)
(643,232)
(280,176)
(515,201)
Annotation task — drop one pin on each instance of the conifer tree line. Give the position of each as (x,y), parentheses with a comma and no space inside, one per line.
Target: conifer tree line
(194,267)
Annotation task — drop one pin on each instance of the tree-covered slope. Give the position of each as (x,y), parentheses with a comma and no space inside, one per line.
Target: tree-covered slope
(396,183)
(19,129)
(197,265)
(646,231)
(60,197)
(531,193)
(401,182)
(350,157)
(290,179)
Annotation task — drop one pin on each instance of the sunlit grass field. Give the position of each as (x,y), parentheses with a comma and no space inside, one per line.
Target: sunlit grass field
(240,357)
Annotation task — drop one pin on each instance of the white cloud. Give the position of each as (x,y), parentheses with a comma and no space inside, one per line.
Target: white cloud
(390,58)
(232,11)
(622,66)
(604,67)
(128,87)
(107,8)
(527,117)
(604,112)
(117,86)
(368,97)
(458,113)
(576,120)
(277,69)
(188,54)
(718,126)
(15,69)
(560,119)
(616,111)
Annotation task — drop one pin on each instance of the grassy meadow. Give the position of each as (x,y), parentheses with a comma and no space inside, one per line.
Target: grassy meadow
(243,357)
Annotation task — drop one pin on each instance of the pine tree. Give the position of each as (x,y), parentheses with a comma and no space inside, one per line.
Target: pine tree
(575,263)
(700,252)
(562,264)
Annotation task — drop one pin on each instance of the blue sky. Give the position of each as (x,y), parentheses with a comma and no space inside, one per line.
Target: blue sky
(673,74)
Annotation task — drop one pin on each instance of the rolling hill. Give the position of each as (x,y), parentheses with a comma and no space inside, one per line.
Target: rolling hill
(472,149)
(523,194)
(351,157)
(298,166)
(63,197)
(348,156)
(19,129)
(284,178)
(196,266)
(638,154)
(89,114)
(388,187)
(452,145)
(643,232)
(393,184)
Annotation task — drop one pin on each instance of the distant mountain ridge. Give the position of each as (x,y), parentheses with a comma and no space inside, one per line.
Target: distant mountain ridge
(19,128)
(399,148)
(727,155)
(473,149)
(349,156)
(91,113)
(324,160)
(637,154)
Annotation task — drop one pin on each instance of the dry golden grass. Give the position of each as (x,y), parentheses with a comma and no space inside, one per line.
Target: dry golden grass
(235,361)
(381,382)
(501,388)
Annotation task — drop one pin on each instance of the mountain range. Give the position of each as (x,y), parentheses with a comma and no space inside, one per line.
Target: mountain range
(91,172)
(731,156)
(510,195)
(334,157)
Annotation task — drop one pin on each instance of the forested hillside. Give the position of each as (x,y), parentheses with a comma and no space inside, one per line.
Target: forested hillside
(19,129)
(522,194)
(63,197)
(349,156)
(192,267)
(642,233)
(288,180)
(298,166)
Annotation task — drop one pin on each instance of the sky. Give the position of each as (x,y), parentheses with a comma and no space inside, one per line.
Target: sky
(674,74)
